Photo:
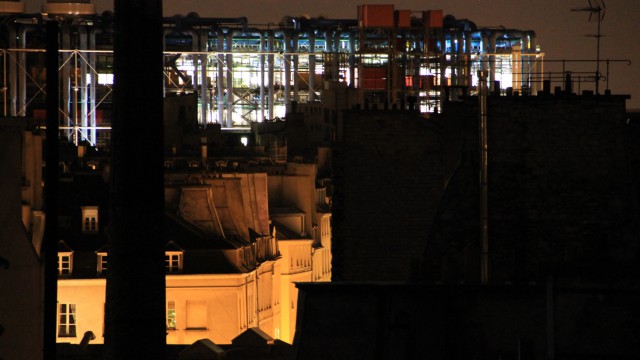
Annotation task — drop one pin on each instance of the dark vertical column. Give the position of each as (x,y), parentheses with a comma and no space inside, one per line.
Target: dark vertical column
(51,195)
(135,303)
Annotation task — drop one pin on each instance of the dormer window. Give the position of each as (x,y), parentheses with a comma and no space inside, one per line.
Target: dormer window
(65,263)
(89,219)
(173,262)
(102,264)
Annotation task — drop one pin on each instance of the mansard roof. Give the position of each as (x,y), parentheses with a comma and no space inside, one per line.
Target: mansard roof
(190,237)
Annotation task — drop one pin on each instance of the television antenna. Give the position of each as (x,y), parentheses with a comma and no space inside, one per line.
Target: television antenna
(596,10)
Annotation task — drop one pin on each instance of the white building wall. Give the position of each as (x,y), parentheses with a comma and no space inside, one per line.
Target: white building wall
(88,296)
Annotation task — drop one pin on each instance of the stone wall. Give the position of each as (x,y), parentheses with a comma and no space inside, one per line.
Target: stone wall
(561,190)
(388,179)
(562,198)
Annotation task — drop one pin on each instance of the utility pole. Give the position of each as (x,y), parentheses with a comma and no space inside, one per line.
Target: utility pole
(484,210)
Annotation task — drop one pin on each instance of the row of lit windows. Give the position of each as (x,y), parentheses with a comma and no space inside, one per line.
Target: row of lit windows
(196,317)
(173,263)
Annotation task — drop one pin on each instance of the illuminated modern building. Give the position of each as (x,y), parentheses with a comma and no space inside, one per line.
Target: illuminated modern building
(243,74)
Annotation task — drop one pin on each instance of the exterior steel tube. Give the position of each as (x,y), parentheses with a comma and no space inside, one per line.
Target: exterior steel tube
(66,81)
(328,49)
(287,71)
(467,56)
(92,87)
(194,59)
(492,62)
(262,82)
(22,74)
(484,49)
(460,64)
(312,65)
(271,98)
(516,65)
(84,94)
(220,79)
(296,73)
(204,98)
(352,58)
(229,73)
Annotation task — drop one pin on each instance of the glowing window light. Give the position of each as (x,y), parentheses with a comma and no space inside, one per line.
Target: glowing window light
(105,79)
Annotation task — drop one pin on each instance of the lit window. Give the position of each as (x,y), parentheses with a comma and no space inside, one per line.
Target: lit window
(244,140)
(65,263)
(89,219)
(173,262)
(105,79)
(102,264)
(171,315)
(67,324)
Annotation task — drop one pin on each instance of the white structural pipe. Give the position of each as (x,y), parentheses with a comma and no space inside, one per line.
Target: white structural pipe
(66,81)
(220,79)
(229,73)
(262,76)
(84,93)
(296,73)
(287,70)
(204,81)
(312,65)
(271,57)
(93,79)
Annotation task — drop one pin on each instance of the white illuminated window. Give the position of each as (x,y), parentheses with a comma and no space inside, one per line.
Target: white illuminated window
(173,262)
(105,79)
(89,219)
(102,264)
(171,315)
(67,320)
(244,140)
(65,263)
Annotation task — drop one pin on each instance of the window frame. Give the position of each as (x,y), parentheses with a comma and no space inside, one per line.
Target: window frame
(169,258)
(102,263)
(69,262)
(90,219)
(172,323)
(67,325)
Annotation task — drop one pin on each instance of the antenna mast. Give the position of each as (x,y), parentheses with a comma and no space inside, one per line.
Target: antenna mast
(596,9)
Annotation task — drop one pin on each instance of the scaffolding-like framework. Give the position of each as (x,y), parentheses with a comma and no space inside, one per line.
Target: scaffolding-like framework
(241,75)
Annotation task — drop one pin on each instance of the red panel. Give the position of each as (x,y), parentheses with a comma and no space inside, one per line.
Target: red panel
(432,18)
(374,84)
(403,18)
(380,16)
(374,78)
(408,81)
(99,115)
(40,115)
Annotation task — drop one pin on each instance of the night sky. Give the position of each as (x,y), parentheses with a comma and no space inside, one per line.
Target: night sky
(562,33)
